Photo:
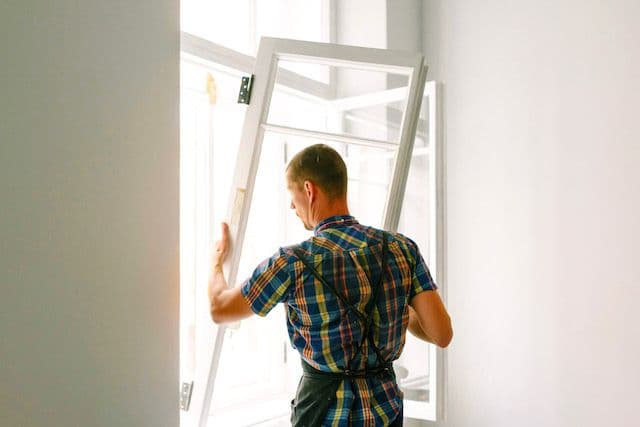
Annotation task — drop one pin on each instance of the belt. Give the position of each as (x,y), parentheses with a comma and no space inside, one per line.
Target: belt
(347,374)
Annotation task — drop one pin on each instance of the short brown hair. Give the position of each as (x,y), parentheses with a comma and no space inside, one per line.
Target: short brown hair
(323,166)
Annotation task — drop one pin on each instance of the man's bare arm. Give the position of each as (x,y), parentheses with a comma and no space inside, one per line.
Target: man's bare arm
(416,329)
(429,320)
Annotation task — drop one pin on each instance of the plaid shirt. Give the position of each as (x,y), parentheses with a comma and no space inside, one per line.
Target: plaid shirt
(347,254)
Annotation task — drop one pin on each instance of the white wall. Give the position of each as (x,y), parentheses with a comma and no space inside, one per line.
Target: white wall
(542,134)
(404,25)
(89,213)
(361,22)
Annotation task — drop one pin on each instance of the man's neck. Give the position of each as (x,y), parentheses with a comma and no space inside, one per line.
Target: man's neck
(336,208)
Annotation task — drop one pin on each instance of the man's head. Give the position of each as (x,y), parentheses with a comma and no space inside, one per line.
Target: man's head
(317,181)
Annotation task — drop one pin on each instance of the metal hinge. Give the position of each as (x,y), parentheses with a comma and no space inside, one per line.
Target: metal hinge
(185,395)
(245,90)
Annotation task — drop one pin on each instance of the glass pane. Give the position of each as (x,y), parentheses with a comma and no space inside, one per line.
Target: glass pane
(363,105)
(287,106)
(382,121)
(370,171)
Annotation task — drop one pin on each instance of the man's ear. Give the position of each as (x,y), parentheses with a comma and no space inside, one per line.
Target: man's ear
(310,189)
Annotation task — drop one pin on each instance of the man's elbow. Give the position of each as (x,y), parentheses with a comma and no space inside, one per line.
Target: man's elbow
(444,339)
(217,313)
(445,333)
(216,318)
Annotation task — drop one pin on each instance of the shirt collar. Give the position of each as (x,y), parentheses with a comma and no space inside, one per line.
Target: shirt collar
(332,221)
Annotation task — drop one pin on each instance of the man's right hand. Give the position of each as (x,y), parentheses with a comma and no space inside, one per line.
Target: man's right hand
(221,246)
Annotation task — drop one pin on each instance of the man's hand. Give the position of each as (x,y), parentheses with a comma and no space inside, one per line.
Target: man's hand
(221,247)
(227,305)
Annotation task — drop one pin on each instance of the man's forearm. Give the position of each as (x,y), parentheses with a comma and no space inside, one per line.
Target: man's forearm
(416,328)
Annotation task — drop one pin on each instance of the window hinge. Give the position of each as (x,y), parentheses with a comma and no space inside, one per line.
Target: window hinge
(185,395)
(245,90)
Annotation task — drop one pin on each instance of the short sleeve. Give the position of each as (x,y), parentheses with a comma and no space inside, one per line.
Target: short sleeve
(268,284)
(421,279)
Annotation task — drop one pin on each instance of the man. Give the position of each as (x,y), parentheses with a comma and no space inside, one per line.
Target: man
(350,293)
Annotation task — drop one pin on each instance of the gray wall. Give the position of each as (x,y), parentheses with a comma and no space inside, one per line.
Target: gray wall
(542,134)
(89,213)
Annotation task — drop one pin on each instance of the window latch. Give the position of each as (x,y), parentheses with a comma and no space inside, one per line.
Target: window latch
(245,90)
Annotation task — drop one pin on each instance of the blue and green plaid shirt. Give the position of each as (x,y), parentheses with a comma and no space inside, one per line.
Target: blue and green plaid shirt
(347,254)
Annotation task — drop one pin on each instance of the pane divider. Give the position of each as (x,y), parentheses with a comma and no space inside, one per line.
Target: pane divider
(337,137)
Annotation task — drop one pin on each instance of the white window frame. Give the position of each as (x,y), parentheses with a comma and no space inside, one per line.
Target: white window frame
(270,51)
(202,50)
